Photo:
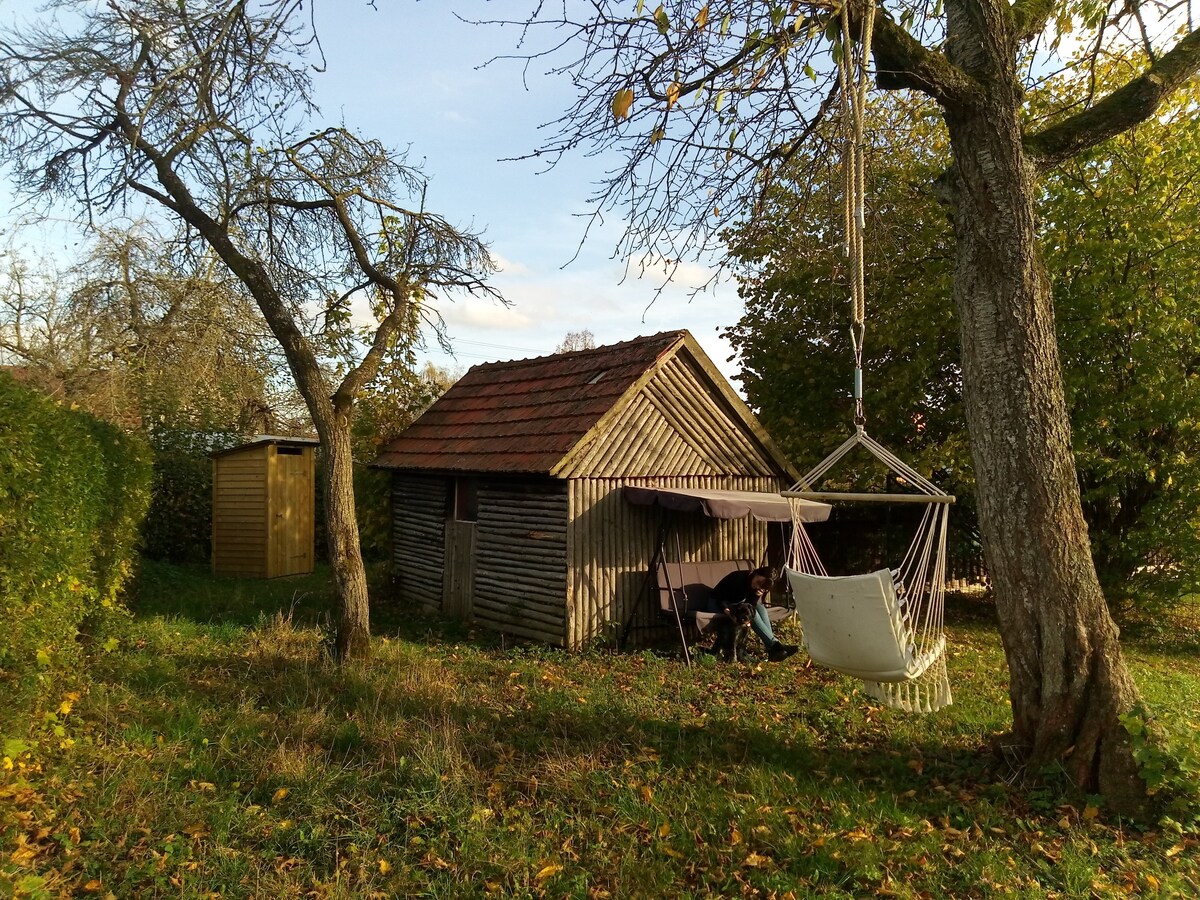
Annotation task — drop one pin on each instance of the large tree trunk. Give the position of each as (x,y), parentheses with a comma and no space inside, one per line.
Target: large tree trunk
(341,534)
(1069,682)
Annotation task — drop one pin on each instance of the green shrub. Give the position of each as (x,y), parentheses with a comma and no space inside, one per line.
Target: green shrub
(178,525)
(73,492)
(1168,756)
(373,504)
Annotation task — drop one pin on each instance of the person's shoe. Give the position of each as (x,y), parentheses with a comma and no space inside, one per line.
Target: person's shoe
(780,652)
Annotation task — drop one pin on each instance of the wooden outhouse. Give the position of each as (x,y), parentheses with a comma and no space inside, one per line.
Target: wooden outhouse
(507,493)
(263,508)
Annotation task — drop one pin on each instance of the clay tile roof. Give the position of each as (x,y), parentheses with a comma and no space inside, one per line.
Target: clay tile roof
(525,415)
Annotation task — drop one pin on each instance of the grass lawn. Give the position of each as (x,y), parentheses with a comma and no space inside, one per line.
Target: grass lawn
(217,753)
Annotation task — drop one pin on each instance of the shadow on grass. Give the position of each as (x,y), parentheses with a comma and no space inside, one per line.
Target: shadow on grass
(193,593)
(390,709)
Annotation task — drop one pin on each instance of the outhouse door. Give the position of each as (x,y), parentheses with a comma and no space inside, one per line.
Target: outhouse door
(292,513)
(458,581)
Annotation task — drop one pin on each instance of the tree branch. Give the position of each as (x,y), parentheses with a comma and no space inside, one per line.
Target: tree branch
(1030,17)
(901,61)
(1120,110)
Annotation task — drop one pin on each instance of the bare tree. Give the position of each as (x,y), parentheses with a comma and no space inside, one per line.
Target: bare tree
(201,112)
(706,100)
(136,335)
(576,340)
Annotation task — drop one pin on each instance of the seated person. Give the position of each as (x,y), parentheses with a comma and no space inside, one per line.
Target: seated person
(750,588)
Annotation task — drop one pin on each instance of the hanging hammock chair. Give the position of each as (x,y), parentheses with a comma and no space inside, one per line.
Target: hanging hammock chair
(884,627)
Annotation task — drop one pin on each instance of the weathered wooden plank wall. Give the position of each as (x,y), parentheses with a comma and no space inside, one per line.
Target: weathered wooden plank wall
(239,529)
(458,577)
(418,537)
(521,559)
(673,427)
(612,542)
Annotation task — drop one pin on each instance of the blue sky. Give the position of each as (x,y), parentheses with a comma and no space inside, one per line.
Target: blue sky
(411,73)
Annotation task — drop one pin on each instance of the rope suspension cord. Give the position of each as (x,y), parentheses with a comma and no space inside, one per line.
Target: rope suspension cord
(886,626)
(853,84)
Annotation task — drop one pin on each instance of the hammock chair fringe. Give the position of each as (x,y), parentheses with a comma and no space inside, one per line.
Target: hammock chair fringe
(927,694)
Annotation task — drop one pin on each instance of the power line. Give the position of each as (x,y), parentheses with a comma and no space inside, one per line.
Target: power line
(495,346)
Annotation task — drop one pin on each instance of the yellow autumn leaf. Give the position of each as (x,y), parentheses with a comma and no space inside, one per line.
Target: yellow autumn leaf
(548,872)
(702,17)
(93,886)
(672,93)
(657,135)
(279,795)
(384,867)
(662,20)
(664,829)
(621,103)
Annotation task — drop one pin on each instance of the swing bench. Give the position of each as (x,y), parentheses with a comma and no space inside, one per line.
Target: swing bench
(683,587)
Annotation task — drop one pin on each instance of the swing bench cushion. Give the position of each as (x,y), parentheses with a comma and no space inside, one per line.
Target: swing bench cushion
(687,587)
(857,625)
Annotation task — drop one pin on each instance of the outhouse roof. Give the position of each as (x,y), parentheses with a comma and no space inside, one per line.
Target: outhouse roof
(260,439)
(539,415)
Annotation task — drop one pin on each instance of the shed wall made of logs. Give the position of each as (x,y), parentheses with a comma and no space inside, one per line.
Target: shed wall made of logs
(419,505)
(521,559)
(611,544)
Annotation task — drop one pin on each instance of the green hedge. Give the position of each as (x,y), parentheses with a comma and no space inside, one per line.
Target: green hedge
(73,493)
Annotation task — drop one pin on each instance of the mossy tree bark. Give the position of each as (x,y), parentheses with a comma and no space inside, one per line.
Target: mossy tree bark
(1068,679)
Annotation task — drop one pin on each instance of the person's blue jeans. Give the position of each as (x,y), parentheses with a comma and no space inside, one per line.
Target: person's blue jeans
(761,625)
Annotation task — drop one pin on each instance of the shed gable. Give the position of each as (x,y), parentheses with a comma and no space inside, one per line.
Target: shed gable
(676,424)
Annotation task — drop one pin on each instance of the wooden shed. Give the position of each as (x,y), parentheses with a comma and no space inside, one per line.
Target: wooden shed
(507,492)
(263,508)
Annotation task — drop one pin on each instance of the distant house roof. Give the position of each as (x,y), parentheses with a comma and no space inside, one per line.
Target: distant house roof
(527,416)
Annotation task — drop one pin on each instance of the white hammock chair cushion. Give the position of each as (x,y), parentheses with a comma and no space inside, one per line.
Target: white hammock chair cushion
(856,624)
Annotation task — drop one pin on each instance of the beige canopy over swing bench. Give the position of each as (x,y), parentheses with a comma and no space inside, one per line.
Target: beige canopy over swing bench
(884,627)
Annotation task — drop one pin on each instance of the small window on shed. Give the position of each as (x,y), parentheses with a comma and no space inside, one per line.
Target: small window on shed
(288,451)
(466,500)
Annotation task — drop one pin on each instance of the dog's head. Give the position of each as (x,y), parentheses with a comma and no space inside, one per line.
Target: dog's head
(741,613)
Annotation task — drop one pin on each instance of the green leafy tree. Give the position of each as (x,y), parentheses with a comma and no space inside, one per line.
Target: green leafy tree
(1123,246)
(1125,281)
(201,111)
(706,101)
